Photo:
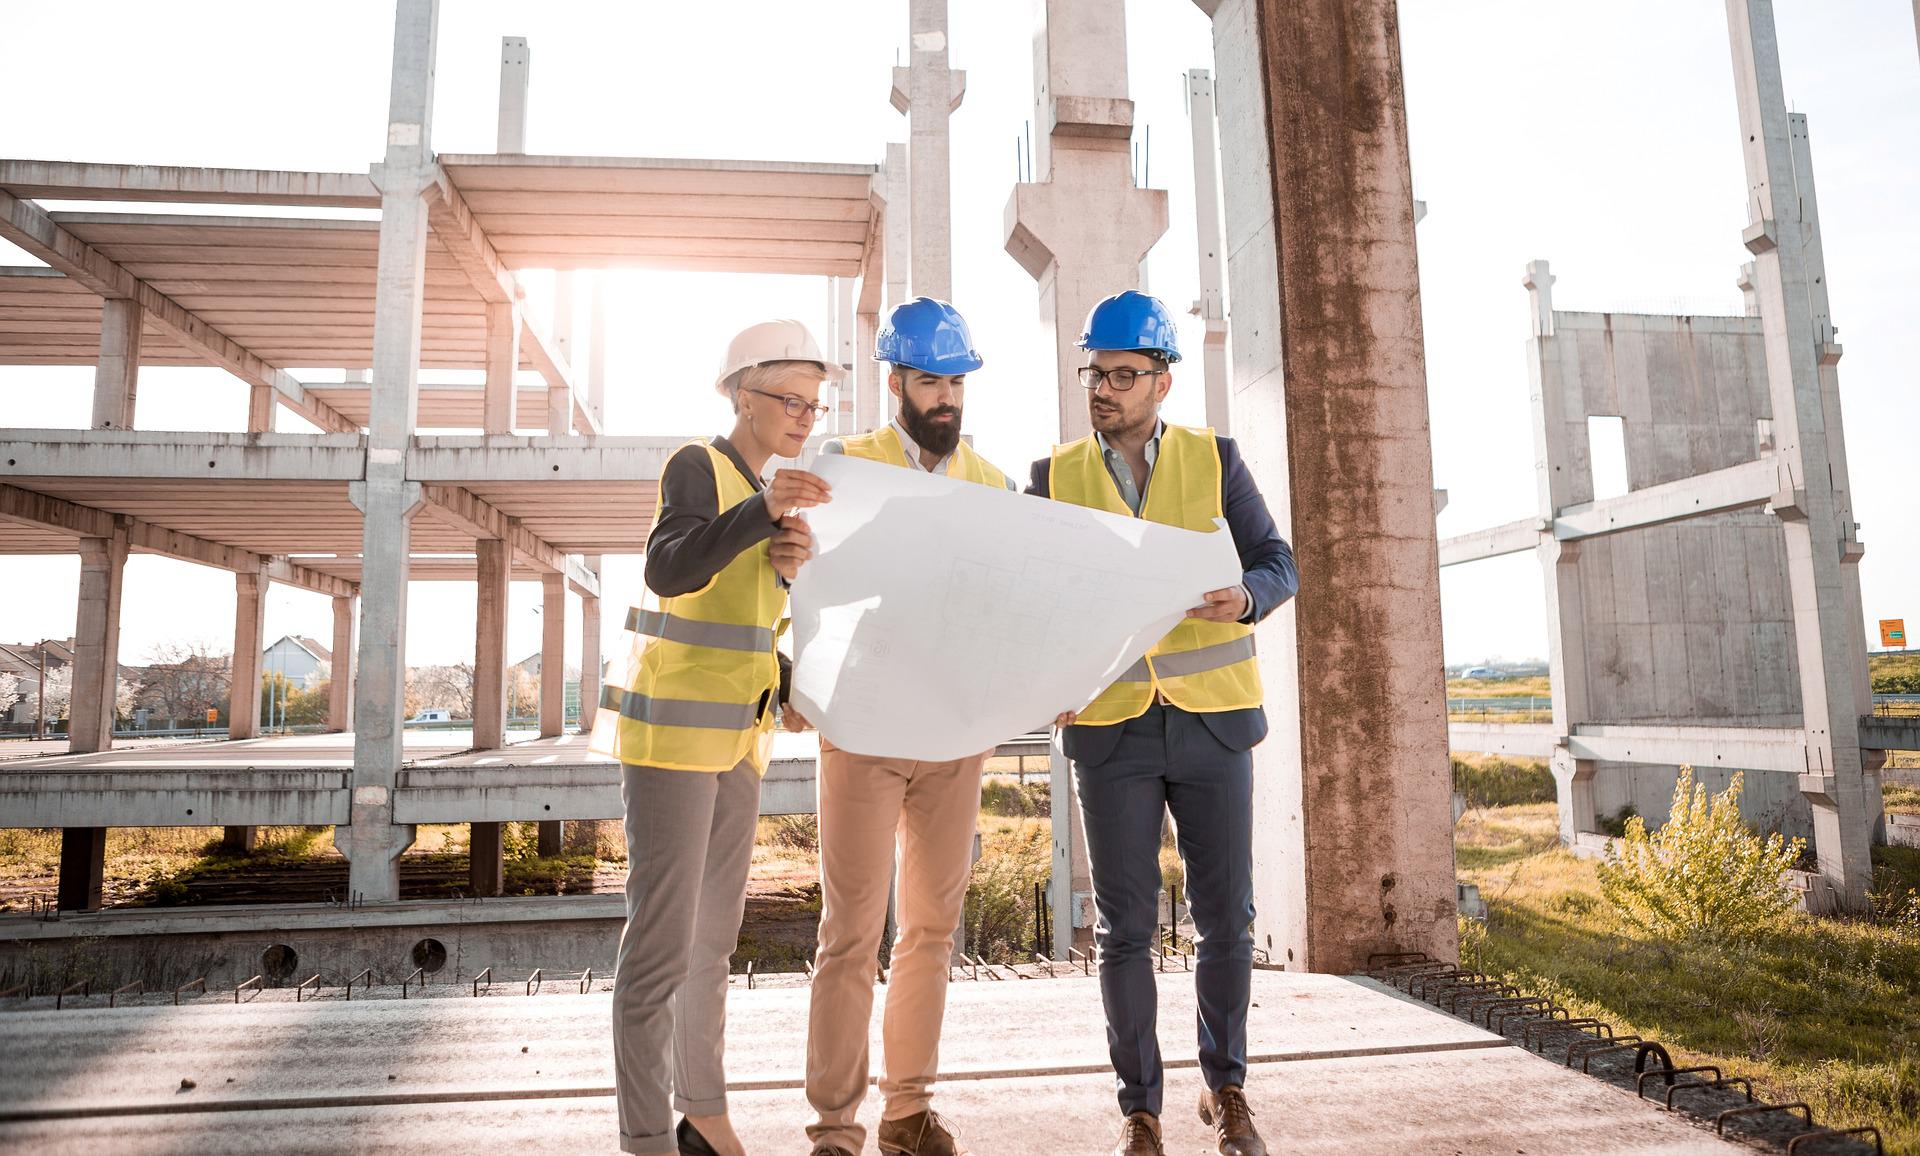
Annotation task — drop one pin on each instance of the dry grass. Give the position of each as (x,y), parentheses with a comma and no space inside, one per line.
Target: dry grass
(1499,687)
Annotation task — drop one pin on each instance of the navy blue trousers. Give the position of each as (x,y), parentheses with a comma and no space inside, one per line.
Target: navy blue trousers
(1168,761)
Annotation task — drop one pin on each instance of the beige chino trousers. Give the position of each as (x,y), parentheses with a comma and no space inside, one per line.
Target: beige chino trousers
(868,804)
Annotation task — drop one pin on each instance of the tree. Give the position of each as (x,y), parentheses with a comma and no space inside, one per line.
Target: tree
(183,680)
(56,690)
(523,693)
(448,688)
(9,690)
(126,692)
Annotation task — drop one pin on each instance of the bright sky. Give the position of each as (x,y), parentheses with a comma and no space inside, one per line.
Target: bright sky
(1600,137)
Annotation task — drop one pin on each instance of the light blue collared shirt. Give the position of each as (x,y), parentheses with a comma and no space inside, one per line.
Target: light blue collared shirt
(1134,493)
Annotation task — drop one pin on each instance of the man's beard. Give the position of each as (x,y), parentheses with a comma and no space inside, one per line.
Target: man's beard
(1118,423)
(938,438)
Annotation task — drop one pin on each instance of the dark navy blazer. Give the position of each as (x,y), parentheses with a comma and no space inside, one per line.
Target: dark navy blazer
(1268,572)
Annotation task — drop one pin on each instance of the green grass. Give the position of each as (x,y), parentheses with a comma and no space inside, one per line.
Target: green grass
(1900,800)
(1538,685)
(1825,1010)
(1495,781)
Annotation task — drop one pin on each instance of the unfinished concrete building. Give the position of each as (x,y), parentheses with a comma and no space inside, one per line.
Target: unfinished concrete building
(1710,615)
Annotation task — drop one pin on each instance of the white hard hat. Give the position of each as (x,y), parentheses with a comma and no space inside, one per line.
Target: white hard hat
(773,341)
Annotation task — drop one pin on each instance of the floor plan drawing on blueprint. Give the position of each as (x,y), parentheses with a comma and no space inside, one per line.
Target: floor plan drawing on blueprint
(939,618)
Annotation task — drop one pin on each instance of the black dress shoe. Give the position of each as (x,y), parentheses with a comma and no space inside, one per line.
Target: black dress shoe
(692,1143)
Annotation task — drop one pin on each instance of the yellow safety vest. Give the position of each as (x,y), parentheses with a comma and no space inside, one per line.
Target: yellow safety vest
(1199,666)
(883,445)
(696,690)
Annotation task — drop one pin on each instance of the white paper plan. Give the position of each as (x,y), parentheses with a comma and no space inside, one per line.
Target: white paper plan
(939,618)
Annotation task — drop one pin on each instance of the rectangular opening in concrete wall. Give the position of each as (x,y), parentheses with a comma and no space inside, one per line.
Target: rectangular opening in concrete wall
(1607,453)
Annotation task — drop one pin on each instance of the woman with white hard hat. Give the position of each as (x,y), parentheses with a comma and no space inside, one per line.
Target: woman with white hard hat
(691,720)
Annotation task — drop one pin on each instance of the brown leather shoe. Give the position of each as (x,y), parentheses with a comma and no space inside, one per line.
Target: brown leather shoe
(925,1134)
(1226,1112)
(1139,1136)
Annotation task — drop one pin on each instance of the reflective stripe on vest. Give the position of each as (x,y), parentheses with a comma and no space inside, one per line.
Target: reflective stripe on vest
(1199,666)
(884,445)
(717,635)
(695,690)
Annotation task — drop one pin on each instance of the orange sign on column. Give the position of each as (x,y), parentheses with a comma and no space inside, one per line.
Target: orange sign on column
(1893,632)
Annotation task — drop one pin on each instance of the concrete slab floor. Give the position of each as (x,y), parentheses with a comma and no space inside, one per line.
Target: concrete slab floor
(1341,1065)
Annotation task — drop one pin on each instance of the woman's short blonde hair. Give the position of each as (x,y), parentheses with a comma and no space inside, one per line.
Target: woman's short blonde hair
(776,376)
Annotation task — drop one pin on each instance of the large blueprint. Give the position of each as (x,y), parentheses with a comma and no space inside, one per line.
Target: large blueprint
(939,618)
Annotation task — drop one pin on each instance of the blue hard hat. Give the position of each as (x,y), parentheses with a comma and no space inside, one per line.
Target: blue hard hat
(928,335)
(1131,320)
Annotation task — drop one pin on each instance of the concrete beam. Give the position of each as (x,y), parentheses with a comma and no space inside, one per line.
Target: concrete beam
(590,661)
(462,458)
(466,242)
(1531,740)
(1740,748)
(499,406)
(1744,486)
(1885,733)
(1494,542)
(482,520)
(152,454)
(79,181)
(30,227)
(518,794)
(36,509)
(155,797)
(516,63)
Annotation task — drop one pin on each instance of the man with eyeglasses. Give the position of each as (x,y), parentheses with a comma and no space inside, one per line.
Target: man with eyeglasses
(868,805)
(1175,733)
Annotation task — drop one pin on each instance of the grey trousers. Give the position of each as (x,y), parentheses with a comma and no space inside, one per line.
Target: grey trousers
(689,845)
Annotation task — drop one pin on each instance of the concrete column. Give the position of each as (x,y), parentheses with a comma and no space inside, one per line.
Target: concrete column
(96,638)
(1082,229)
(1828,351)
(553,654)
(260,409)
(1814,519)
(847,352)
(249,629)
(868,382)
(1559,445)
(1749,300)
(553,682)
(1070,880)
(597,351)
(928,92)
(559,420)
(589,650)
(493,561)
(373,842)
(116,380)
(500,408)
(516,67)
(340,684)
(1211,308)
(83,866)
(487,863)
(1321,264)
(243,689)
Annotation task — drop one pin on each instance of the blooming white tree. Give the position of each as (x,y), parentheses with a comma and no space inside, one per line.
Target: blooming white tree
(56,687)
(9,690)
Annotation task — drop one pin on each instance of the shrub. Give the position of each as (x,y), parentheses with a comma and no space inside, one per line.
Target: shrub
(1497,782)
(997,921)
(1703,873)
(1616,823)
(1014,801)
(799,832)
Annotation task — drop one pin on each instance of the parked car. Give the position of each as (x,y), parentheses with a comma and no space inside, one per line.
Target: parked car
(431,716)
(1483,672)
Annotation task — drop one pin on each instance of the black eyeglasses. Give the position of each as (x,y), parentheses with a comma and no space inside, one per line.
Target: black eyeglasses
(1121,380)
(795,406)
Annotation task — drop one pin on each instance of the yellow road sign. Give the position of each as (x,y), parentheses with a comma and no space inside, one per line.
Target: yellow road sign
(1893,632)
